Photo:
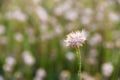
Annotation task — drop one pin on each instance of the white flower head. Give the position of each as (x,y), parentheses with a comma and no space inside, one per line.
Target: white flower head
(28,58)
(1,77)
(2,29)
(107,69)
(41,73)
(70,56)
(76,39)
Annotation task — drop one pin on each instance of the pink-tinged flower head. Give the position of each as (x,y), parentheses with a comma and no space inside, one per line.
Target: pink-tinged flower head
(76,39)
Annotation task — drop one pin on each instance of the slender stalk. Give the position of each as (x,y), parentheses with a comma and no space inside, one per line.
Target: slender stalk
(79,62)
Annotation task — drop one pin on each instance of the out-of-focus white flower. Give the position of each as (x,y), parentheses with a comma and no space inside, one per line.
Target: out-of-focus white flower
(110,3)
(36,1)
(109,45)
(42,14)
(58,29)
(88,11)
(76,39)
(70,56)
(102,6)
(16,14)
(18,37)
(70,26)
(1,78)
(59,10)
(9,64)
(41,73)
(117,43)
(85,20)
(113,17)
(107,69)
(37,78)
(100,15)
(71,15)
(10,61)
(86,76)
(3,40)
(95,39)
(46,36)
(2,29)
(28,58)
(119,1)
(65,75)
(86,16)
(57,1)
(7,68)
(31,35)
(43,27)
(92,58)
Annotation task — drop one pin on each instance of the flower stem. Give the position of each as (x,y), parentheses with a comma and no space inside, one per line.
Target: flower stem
(79,62)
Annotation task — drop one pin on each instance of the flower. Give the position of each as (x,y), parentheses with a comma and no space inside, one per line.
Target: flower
(107,69)
(28,58)
(9,64)
(2,29)
(40,74)
(16,14)
(76,39)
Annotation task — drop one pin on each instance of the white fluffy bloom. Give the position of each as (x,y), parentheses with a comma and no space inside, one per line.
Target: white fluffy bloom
(9,64)
(1,77)
(3,40)
(61,9)
(71,15)
(41,73)
(86,76)
(119,1)
(10,61)
(70,56)
(16,14)
(76,39)
(42,14)
(18,37)
(36,1)
(85,20)
(107,69)
(28,58)
(2,29)
(113,17)
(95,39)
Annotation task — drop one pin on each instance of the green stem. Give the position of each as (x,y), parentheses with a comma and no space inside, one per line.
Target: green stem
(79,62)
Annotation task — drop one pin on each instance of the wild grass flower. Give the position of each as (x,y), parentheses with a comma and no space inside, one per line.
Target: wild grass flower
(40,74)
(70,56)
(9,64)
(76,40)
(16,14)
(42,14)
(107,69)
(2,29)
(18,37)
(1,77)
(28,58)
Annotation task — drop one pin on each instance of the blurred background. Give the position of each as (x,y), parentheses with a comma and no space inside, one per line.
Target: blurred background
(32,34)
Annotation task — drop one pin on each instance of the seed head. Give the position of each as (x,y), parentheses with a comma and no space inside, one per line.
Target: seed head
(76,39)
